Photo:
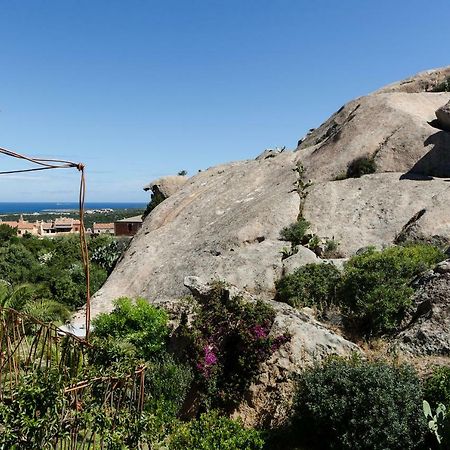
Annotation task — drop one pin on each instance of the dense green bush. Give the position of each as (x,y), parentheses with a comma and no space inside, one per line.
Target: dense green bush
(54,267)
(167,383)
(310,285)
(295,232)
(444,86)
(376,286)
(32,420)
(226,342)
(139,325)
(7,232)
(361,166)
(437,387)
(213,432)
(352,404)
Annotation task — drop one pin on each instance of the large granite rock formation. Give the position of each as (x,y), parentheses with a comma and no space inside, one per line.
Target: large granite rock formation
(379,209)
(443,116)
(224,223)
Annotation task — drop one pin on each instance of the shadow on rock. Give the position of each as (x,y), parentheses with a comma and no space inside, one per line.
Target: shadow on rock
(435,163)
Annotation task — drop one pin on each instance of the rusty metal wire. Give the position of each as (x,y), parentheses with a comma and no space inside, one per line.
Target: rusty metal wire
(48,164)
(28,345)
(115,396)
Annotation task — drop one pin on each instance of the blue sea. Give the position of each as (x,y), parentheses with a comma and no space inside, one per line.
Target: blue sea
(45,207)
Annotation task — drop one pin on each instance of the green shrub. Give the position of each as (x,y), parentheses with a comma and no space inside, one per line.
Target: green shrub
(443,87)
(361,166)
(375,289)
(331,249)
(105,251)
(437,387)
(155,200)
(438,424)
(140,325)
(167,383)
(213,432)
(352,404)
(295,232)
(33,419)
(6,232)
(310,285)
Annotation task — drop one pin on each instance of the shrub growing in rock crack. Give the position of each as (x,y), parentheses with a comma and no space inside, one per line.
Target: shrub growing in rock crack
(226,343)
(443,87)
(295,232)
(376,286)
(312,285)
(361,166)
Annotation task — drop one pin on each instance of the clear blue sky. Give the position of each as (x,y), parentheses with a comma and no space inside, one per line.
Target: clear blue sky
(139,89)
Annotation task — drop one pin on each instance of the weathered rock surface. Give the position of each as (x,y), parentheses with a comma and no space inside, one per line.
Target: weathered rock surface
(373,209)
(443,116)
(166,186)
(301,258)
(390,127)
(224,223)
(428,322)
(270,396)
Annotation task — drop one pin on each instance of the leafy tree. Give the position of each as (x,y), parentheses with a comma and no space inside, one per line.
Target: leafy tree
(6,233)
(16,263)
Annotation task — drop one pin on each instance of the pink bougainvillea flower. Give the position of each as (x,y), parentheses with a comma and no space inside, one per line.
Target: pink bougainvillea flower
(210,356)
(259,331)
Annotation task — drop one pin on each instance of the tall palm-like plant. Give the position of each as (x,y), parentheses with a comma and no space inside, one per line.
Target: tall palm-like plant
(30,299)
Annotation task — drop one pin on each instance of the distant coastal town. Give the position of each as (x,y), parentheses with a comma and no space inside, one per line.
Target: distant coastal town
(103,221)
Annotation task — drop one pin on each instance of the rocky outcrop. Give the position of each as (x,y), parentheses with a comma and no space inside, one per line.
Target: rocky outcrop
(391,128)
(270,396)
(428,323)
(223,224)
(301,258)
(166,186)
(426,81)
(443,116)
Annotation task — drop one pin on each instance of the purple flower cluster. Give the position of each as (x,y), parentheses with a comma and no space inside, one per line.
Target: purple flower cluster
(210,356)
(259,332)
(209,359)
